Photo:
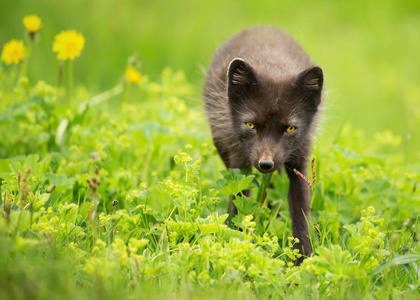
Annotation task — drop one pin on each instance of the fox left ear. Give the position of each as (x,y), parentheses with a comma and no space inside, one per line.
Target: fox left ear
(241,79)
(310,83)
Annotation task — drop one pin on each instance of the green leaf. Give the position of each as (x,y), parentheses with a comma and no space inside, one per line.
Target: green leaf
(40,200)
(222,218)
(60,180)
(31,161)
(210,228)
(234,182)
(183,202)
(68,211)
(246,206)
(352,228)
(400,260)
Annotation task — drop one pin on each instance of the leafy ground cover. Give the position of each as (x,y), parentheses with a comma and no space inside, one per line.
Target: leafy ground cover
(113,197)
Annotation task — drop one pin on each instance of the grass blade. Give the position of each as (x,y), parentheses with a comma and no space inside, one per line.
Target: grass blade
(400,260)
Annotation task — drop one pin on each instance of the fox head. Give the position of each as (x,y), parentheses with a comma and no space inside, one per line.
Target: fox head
(273,118)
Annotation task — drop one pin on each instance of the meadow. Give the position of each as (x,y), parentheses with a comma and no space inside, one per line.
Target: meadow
(111,187)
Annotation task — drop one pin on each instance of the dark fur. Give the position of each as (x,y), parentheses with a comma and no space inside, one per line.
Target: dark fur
(262,76)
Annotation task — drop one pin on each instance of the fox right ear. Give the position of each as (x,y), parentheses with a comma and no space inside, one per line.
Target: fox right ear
(309,84)
(240,78)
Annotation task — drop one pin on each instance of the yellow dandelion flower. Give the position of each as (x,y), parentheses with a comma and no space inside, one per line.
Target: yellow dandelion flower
(132,75)
(68,44)
(13,52)
(32,23)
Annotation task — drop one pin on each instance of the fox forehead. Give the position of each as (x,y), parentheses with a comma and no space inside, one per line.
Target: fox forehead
(274,102)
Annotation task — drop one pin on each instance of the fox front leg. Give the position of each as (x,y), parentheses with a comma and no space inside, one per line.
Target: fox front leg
(299,205)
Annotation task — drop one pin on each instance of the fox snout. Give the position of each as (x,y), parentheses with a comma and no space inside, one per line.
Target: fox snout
(266,156)
(266,165)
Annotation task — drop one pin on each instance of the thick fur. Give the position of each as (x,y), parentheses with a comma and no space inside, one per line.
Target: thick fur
(262,76)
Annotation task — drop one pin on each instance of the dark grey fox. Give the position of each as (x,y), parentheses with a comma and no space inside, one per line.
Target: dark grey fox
(262,95)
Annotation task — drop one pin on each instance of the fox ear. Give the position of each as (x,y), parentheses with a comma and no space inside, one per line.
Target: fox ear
(240,78)
(309,83)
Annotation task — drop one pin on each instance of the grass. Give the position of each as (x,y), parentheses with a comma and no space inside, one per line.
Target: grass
(122,196)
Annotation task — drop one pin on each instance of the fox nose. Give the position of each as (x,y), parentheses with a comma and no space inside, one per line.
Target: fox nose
(266,165)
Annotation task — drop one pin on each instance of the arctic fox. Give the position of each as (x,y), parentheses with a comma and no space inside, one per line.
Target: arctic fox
(262,95)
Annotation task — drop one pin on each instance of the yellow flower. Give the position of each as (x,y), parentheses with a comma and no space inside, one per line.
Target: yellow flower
(132,75)
(32,23)
(68,44)
(13,52)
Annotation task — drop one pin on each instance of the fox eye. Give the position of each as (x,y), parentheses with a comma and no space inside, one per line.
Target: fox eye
(291,129)
(250,125)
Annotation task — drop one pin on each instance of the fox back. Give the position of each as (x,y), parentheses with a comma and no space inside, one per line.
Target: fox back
(262,96)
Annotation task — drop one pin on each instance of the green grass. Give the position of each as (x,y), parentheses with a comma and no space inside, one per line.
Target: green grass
(115,200)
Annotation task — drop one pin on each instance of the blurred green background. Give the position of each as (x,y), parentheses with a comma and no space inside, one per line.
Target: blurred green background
(369,50)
